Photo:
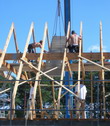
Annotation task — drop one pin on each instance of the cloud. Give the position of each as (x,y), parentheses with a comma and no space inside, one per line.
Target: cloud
(96,48)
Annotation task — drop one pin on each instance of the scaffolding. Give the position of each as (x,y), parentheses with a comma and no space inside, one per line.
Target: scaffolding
(55,65)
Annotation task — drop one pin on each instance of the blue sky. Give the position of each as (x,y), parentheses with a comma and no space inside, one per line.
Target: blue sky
(23,12)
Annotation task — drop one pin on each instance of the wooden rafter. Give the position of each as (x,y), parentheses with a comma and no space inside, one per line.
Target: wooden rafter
(102,73)
(39,68)
(69,67)
(6,45)
(30,65)
(20,71)
(103,67)
(56,56)
(79,61)
(12,69)
(61,78)
(62,70)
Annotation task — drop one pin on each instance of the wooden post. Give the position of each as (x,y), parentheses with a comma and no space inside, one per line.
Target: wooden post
(103,67)
(79,70)
(54,101)
(6,45)
(25,80)
(79,61)
(62,73)
(19,73)
(53,93)
(34,40)
(40,97)
(102,71)
(48,40)
(91,115)
(31,66)
(39,68)
(15,40)
(61,82)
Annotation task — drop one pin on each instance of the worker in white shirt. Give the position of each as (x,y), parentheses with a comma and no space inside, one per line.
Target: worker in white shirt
(31,102)
(31,92)
(80,102)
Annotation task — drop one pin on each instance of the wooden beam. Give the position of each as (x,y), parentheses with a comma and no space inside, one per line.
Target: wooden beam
(61,78)
(62,72)
(20,70)
(102,77)
(12,69)
(15,40)
(66,92)
(39,68)
(40,95)
(40,61)
(53,93)
(91,107)
(69,68)
(79,62)
(26,81)
(34,40)
(30,65)
(95,63)
(48,40)
(73,67)
(6,45)
(56,56)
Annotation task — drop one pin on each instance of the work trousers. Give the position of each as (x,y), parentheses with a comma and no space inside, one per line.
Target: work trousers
(80,109)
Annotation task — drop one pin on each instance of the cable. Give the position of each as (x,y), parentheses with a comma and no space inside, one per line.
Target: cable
(58,19)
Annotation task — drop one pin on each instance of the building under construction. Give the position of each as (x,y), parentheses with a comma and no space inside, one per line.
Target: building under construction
(56,72)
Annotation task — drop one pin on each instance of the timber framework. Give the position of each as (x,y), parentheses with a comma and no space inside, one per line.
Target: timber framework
(50,65)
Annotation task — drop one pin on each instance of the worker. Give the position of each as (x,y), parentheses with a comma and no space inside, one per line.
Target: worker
(80,101)
(73,42)
(31,91)
(32,46)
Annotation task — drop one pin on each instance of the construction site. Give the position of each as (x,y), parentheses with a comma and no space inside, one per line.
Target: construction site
(51,76)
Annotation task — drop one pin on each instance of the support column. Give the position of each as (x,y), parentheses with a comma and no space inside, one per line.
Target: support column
(68,98)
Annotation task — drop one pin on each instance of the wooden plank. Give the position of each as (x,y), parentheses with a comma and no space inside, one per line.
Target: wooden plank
(95,63)
(73,67)
(67,36)
(61,78)
(39,68)
(40,60)
(53,93)
(40,97)
(79,62)
(30,65)
(83,69)
(62,70)
(12,69)
(102,77)
(34,40)
(48,40)
(56,56)
(26,80)
(6,44)
(69,68)
(66,91)
(20,70)
(91,107)
(15,40)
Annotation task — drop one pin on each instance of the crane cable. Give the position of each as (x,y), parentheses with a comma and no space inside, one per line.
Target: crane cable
(58,18)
